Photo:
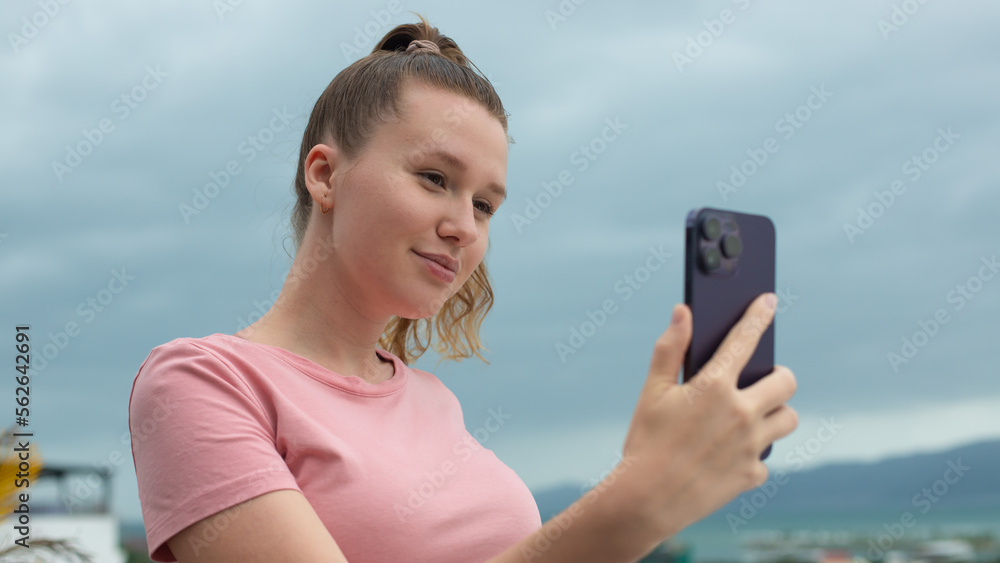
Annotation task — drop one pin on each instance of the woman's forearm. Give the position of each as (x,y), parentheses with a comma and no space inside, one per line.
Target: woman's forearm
(690,449)
(601,526)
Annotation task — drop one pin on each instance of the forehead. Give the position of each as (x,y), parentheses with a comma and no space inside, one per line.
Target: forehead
(432,118)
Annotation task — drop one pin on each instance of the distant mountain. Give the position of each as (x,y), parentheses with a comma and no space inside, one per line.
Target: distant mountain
(891,483)
(963,477)
(553,500)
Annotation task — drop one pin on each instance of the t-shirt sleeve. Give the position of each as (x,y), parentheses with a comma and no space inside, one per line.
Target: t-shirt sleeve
(202,441)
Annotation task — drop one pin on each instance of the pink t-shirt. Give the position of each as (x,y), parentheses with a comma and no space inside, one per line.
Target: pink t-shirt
(389,468)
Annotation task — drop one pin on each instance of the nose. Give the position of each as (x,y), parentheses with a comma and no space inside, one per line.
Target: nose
(459,222)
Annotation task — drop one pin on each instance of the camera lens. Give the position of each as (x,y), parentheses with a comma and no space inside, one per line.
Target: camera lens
(732,246)
(711,259)
(711,228)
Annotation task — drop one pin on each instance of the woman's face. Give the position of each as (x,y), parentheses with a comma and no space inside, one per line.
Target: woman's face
(403,197)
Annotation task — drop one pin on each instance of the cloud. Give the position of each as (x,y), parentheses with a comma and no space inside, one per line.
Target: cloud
(226,77)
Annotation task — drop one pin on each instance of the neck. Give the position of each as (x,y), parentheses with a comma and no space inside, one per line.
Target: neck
(318,316)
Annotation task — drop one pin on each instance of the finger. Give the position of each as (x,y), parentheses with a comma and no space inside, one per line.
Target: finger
(771,391)
(757,475)
(670,347)
(739,345)
(780,423)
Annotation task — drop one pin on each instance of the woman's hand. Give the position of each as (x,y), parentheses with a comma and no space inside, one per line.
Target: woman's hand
(692,448)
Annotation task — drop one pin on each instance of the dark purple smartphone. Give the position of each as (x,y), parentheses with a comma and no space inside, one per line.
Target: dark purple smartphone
(728,262)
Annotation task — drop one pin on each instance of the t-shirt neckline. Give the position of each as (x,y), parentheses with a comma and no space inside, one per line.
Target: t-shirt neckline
(350,383)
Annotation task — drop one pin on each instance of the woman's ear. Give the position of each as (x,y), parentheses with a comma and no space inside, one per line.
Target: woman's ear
(321,169)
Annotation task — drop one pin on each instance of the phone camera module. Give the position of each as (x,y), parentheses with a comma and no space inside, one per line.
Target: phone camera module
(732,246)
(719,244)
(711,227)
(711,259)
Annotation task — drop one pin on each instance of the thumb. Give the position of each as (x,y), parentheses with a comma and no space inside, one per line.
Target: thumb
(670,348)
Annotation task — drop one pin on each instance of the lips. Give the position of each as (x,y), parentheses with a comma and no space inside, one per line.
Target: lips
(446,261)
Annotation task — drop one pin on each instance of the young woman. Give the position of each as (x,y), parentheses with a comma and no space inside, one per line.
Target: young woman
(307,437)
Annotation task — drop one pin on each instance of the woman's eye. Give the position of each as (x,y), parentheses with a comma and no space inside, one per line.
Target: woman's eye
(487,208)
(433,175)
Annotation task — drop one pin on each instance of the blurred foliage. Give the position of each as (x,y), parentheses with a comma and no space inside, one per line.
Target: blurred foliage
(63,548)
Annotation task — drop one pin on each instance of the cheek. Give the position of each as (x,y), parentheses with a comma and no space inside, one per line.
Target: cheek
(370,206)
(478,255)
(377,226)
(394,202)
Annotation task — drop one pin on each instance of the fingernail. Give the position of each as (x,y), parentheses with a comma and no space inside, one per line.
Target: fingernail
(676,318)
(771,301)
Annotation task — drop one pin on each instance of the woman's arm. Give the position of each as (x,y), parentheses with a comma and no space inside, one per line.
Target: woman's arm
(690,449)
(597,527)
(276,526)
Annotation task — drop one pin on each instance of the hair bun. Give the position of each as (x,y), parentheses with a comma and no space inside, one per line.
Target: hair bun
(401,38)
(423,45)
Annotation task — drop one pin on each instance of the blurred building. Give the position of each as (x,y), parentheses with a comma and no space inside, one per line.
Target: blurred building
(69,503)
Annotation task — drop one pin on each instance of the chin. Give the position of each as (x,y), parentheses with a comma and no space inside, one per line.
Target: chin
(428,309)
(415,316)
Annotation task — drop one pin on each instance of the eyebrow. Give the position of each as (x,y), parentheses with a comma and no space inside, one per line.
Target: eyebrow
(460,164)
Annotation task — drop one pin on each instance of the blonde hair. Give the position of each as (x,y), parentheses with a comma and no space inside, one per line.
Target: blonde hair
(358,100)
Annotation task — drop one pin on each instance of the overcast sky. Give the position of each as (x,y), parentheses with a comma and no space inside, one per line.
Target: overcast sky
(878,122)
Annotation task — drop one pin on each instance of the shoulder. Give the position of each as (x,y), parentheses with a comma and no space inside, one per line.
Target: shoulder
(195,383)
(213,352)
(190,367)
(190,346)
